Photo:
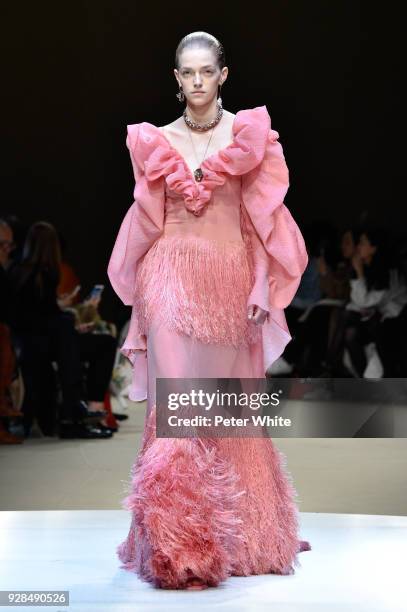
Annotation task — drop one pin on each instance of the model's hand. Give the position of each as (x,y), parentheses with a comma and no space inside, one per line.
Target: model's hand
(256,314)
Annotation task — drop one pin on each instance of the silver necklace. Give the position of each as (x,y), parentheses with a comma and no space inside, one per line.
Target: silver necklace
(198,174)
(204,127)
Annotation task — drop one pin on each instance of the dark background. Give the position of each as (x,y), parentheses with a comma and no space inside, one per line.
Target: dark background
(77,73)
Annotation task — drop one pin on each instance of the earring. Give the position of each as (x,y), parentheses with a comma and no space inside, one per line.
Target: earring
(180,95)
(219,98)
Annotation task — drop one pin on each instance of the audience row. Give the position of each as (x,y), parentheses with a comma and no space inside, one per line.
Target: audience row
(61,347)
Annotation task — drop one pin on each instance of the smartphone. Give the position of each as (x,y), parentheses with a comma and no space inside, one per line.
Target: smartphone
(96,292)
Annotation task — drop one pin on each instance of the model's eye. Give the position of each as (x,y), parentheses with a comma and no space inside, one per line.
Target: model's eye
(209,71)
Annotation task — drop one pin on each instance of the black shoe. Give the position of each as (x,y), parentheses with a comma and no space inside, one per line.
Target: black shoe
(83,413)
(105,428)
(48,432)
(91,432)
(120,416)
(69,431)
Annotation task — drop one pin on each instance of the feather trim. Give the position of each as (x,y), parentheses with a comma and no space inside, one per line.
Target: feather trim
(198,287)
(184,496)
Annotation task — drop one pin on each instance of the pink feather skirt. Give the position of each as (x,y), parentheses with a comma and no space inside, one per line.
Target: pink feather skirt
(202,507)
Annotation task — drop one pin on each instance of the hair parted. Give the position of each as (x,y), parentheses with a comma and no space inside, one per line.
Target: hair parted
(201,39)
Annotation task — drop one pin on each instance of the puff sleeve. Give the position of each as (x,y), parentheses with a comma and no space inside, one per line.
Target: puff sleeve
(280,255)
(141,226)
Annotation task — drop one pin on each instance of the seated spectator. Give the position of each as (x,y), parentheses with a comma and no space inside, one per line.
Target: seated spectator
(390,338)
(45,332)
(19,232)
(7,356)
(68,279)
(375,295)
(334,279)
(322,321)
(323,288)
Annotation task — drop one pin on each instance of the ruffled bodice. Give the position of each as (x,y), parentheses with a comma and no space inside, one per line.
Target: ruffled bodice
(152,150)
(219,219)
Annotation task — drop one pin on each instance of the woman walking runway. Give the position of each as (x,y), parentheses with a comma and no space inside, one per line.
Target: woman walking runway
(208,256)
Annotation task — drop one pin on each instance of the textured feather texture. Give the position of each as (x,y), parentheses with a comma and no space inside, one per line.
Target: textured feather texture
(185,501)
(199,509)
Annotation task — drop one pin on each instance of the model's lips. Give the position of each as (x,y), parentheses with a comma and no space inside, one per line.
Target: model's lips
(197,92)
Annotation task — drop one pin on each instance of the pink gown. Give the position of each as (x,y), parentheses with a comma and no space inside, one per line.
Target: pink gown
(189,258)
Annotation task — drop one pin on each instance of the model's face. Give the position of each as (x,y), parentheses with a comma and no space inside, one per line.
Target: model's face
(199,72)
(365,248)
(347,245)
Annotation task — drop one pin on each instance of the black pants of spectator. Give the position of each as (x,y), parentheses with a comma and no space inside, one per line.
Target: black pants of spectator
(54,339)
(391,345)
(308,348)
(99,350)
(292,314)
(352,333)
(57,340)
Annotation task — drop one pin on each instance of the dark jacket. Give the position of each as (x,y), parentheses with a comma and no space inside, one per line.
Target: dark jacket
(34,296)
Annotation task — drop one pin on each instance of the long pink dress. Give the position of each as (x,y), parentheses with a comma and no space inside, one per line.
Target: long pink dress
(189,258)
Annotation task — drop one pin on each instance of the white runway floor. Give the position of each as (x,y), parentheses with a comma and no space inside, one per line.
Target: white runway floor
(357,563)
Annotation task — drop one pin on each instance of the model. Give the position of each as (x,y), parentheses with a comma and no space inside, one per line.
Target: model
(208,256)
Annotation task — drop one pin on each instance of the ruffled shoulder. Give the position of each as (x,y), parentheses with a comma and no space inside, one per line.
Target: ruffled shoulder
(156,157)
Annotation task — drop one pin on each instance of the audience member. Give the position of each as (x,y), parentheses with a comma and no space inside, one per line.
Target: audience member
(374,296)
(7,356)
(45,333)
